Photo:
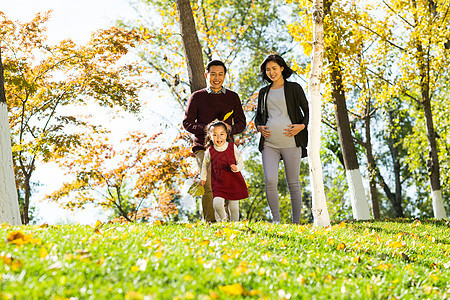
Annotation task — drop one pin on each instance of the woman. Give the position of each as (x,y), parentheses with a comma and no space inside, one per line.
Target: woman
(281,117)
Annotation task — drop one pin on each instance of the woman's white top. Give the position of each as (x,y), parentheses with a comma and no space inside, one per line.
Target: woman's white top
(278,120)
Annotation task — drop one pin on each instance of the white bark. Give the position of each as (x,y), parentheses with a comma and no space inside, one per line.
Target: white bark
(438,205)
(9,206)
(360,206)
(319,204)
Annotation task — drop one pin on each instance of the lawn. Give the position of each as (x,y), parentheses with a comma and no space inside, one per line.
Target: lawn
(391,259)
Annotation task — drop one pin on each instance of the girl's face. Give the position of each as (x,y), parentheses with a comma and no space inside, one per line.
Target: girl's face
(218,136)
(274,71)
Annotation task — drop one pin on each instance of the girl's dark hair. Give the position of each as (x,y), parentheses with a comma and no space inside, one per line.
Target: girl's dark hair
(287,72)
(210,127)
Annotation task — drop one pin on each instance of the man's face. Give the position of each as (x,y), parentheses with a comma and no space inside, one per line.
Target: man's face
(215,77)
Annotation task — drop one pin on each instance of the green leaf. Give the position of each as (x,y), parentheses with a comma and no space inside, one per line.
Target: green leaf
(196,189)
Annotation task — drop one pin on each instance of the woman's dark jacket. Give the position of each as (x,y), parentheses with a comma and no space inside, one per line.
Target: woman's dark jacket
(297,107)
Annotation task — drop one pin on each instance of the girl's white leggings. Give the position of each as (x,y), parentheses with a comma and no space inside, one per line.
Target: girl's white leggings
(221,215)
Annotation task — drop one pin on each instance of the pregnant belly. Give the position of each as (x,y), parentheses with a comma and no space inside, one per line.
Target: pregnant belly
(276,129)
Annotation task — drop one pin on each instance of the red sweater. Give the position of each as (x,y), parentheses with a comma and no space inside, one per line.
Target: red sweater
(204,107)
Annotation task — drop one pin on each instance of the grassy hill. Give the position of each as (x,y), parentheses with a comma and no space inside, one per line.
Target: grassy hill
(392,259)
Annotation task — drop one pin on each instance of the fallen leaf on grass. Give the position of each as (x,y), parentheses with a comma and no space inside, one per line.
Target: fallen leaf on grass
(132,295)
(213,295)
(232,289)
(17,237)
(43,253)
(12,262)
(301,280)
(134,269)
(204,243)
(188,278)
(341,246)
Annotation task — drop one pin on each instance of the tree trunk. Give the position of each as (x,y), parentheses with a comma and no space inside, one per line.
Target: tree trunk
(396,198)
(319,205)
(371,167)
(191,45)
(9,205)
(358,199)
(433,158)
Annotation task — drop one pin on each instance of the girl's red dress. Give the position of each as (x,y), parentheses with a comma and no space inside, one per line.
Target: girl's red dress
(224,182)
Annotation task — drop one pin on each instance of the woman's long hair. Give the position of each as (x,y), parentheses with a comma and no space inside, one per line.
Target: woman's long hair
(209,129)
(286,73)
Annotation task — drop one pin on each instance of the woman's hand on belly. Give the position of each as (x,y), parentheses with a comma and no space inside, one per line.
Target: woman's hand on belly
(293,129)
(265,132)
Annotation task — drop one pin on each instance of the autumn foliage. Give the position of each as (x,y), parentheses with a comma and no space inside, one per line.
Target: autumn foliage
(139,179)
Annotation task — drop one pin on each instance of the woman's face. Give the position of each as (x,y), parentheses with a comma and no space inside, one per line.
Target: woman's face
(274,71)
(219,136)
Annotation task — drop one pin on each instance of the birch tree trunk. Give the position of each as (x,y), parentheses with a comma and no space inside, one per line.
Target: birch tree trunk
(319,204)
(360,207)
(424,64)
(433,159)
(191,45)
(9,205)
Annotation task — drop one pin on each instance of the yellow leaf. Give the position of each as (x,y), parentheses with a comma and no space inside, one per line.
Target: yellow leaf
(43,253)
(97,224)
(196,189)
(132,295)
(427,289)
(228,115)
(301,280)
(14,235)
(213,295)
(204,243)
(341,246)
(134,268)
(233,289)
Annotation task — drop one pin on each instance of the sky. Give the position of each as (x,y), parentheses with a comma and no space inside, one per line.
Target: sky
(70,19)
(75,20)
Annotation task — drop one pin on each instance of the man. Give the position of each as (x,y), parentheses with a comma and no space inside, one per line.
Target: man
(205,106)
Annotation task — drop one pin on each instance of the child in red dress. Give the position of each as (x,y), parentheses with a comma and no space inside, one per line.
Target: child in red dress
(226,165)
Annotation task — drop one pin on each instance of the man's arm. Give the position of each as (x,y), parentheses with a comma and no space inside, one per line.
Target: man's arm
(239,118)
(190,118)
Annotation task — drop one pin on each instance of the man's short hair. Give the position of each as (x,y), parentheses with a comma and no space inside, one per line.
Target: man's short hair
(215,63)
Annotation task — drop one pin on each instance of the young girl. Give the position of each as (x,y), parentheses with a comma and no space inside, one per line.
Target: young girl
(226,163)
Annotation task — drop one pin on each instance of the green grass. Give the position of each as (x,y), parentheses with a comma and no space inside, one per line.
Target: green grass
(401,259)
